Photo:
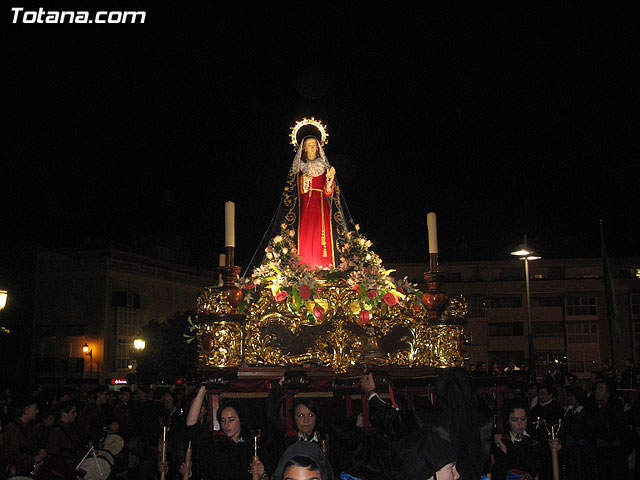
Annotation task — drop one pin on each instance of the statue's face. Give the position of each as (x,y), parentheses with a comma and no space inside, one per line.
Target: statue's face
(310,147)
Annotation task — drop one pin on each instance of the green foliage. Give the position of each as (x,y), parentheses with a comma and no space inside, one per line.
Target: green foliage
(167,357)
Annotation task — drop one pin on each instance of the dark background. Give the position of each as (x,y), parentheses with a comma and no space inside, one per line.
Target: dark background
(504,120)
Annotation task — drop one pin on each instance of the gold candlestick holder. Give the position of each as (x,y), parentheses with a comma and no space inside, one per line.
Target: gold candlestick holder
(220,334)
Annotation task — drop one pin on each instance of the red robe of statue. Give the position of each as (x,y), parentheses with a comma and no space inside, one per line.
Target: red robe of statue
(315,238)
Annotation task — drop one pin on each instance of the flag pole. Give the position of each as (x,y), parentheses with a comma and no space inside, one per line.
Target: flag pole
(609,298)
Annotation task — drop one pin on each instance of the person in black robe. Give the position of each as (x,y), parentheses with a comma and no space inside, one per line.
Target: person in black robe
(457,417)
(516,453)
(173,420)
(64,446)
(579,450)
(399,448)
(305,414)
(307,456)
(545,414)
(20,454)
(611,432)
(233,457)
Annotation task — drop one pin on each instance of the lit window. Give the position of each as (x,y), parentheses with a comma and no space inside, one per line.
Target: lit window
(124,325)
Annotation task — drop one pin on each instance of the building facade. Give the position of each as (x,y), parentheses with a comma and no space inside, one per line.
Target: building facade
(100,301)
(568,314)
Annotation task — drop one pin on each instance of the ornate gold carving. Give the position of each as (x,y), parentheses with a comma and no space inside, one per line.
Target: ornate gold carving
(457,308)
(220,343)
(336,339)
(213,300)
(446,346)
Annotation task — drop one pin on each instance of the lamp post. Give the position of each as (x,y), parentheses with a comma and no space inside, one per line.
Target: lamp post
(89,353)
(3,299)
(3,303)
(524,252)
(139,345)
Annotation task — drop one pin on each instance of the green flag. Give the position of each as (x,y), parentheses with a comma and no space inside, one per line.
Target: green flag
(609,295)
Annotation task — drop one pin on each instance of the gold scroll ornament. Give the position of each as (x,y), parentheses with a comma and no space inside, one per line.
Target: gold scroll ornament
(336,340)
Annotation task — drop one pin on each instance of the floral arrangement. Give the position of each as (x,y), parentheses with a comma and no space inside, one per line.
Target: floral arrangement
(359,267)
(281,272)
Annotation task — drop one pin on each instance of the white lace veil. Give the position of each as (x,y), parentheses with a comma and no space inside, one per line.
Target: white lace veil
(297,159)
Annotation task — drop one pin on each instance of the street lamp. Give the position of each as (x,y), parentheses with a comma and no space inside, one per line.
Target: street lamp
(138,344)
(89,353)
(524,252)
(3,303)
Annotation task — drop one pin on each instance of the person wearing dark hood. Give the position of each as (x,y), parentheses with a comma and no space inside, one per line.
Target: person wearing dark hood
(303,461)
(399,448)
(457,418)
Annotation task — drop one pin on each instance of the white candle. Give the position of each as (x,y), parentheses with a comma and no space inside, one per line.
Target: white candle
(433,232)
(229,224)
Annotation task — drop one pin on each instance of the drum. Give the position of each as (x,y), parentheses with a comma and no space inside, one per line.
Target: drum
(94,468)
(114,443)
(56,467)
(106,454)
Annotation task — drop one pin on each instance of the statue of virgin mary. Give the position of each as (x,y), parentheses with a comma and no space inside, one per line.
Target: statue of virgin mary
(312,205)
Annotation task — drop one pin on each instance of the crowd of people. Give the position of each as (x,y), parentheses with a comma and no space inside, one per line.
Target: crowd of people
(581,431)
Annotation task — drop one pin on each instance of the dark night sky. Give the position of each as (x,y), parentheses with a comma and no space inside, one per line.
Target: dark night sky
(503,121)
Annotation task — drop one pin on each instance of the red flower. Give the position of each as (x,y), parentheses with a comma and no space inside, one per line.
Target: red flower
(281,295)
(248,286)
(363,318)
(372,294)
(356,287)
(305,292)
(390,299)
(318,312)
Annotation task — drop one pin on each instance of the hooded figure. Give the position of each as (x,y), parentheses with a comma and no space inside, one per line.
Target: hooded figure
(399,448)
(457,418)
(305,454)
